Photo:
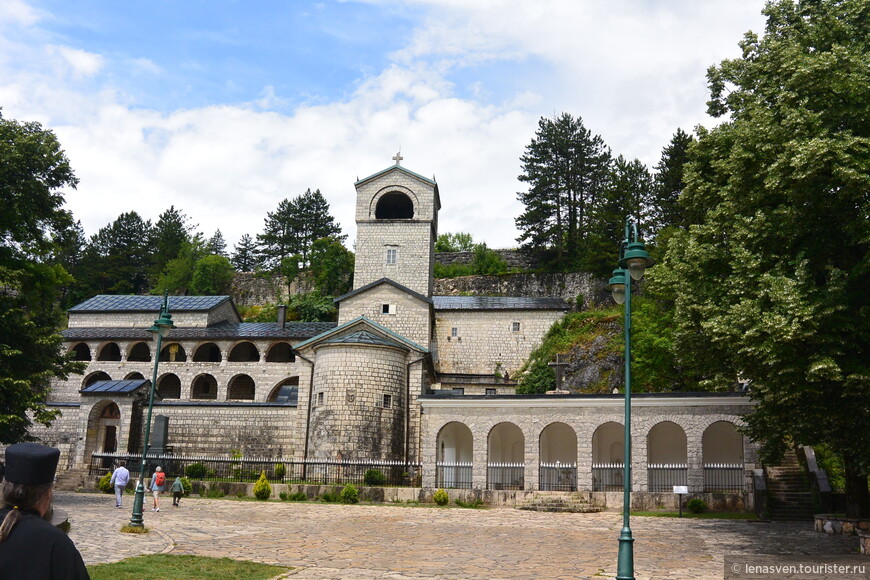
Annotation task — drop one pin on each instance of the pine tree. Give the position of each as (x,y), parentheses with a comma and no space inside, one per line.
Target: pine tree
(665,210)
(244,256)
(216,245)
(167,237)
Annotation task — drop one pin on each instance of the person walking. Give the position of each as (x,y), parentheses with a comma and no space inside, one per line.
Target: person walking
(177,490)
(158,484)
(30,547)
(120,479)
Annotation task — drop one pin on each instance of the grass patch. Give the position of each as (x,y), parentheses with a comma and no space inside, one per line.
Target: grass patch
(701,516)
(162,566)
(128,529)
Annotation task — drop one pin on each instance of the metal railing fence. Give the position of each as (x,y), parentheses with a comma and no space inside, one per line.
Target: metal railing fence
(724,477)
(607,476)
(664,476)
(557,476)
(505,475)
(453,474)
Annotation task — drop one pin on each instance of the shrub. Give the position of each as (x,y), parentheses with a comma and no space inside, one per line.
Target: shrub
(262,489)
(474,504)
(374,478)
(297,496)
(350,494)
(441,497)
(103,485)
(195,471)
(696,506)
(280,471)
(215,492)
(185,483)
(329,497)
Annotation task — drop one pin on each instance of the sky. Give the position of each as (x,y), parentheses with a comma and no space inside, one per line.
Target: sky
(224,108)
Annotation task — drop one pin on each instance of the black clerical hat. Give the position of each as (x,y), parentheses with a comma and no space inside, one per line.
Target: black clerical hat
(31,463)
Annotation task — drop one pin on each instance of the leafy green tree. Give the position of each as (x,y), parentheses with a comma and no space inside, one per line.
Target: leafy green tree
(665,210)
(212,276)
(487,262)
(458,242)
(177,276)
(331,267)
(567,169)
(216,244)
(244,256)
(313,307)
(117,257)
(167,238)
(294,226)
(33,170)
(771,285)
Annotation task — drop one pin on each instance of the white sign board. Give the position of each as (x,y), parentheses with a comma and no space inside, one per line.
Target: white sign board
(681,489)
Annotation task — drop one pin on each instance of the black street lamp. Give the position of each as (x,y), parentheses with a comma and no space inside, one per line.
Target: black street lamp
(633,261)
(159,329)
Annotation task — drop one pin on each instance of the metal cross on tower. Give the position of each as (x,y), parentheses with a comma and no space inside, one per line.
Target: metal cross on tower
(398,158)
(558,367)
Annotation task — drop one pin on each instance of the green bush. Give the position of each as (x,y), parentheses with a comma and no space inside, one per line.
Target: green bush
(280,471)
(215,492)
(441,497)
(329,497)
(195,471)
(262,489)
(476,503)
(350,494)
(374,478)
(185,483)
(297,496)
(103,485)
(696,505)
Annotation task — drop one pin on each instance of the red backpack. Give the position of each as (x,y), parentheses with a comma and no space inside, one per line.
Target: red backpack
(159,478)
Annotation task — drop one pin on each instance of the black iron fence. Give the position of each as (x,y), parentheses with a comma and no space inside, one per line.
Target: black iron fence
(226,468)
(453,474)
(723,477)
(607,476)
(505,475)
(557,476)
(664,476)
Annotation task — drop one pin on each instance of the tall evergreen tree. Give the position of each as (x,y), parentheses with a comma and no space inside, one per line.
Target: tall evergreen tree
(33,170)
(567,169)
(665,210)
(167,237)
(244,256)
(117,258)
(217,246)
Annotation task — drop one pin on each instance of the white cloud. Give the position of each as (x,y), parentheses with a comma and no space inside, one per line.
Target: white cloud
(79,63)
(18,13)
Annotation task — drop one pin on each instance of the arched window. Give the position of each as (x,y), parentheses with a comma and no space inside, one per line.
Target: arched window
(109,352)
(94,377)
(175,353)
(134,377)
(505,457)
(204,387)
(169,386)
(241,388)
(722,449)
(244,352)
(667,457)
(280,352)
(394,206)
(81,351)
(208,352)
(286,392)
(453,463)
(608,451)
(139,352)
(558,458)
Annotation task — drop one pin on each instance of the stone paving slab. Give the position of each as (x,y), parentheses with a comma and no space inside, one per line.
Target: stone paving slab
(328,541)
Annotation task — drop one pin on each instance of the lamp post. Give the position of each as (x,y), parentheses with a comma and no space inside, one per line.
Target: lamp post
(633,260)
(160,329)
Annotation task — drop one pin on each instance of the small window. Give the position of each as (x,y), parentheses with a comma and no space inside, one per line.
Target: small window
(319,399)
(391,255)
(387,402)
(388,308)
(490,392)
(454,332)
(516,327)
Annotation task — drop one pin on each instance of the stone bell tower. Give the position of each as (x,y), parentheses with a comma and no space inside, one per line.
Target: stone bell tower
(397,224)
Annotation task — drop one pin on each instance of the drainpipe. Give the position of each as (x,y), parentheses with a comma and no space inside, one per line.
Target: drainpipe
(408,406)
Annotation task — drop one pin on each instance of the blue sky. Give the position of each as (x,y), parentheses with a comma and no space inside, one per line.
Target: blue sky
(225,108)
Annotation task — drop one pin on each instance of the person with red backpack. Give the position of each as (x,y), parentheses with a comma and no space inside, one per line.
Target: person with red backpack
(158,484)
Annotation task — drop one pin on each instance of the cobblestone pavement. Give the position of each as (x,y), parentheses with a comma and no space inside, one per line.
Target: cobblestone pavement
(327,541)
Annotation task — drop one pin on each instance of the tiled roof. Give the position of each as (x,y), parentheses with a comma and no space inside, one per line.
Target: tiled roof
(115,386)
(362,337)
(498,303)
(137,303)
(300,330)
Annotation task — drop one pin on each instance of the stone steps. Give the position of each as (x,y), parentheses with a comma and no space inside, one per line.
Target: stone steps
(558,503)
(71,479)
(789,490)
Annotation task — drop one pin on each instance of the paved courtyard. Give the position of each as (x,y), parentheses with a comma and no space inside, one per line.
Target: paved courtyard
(326,541)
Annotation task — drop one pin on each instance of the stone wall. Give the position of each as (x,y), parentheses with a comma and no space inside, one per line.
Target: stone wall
(513,258)
(410,318)
(563,285)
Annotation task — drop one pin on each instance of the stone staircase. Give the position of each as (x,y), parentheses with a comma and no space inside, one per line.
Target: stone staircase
(788,491)
(558,501)
(71,479)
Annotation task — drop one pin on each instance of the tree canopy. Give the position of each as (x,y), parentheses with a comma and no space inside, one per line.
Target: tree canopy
(294,226)
(33,170)
(771,283)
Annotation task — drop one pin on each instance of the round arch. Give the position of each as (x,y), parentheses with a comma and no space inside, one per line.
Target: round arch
(207,352)
(139,352)
(104,424)
(558,442)
(505,457)
(244,352)
(608,443)
(109,352)
(169,386)
(134,377)
(286,392)
(394,205)
(454,448)
(666,442)
(174,352)
(94,377)
(81,352)
(280,352)
(204,386)
(722,443)
(241,388)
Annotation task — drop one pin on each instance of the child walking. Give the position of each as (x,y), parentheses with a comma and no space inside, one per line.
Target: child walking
(177,490)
